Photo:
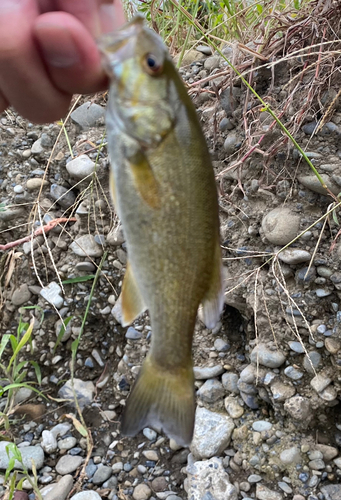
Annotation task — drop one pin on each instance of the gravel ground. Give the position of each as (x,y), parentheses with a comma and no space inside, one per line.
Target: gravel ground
(268,422)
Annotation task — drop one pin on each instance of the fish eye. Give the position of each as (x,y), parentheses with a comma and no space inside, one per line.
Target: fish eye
(152,65)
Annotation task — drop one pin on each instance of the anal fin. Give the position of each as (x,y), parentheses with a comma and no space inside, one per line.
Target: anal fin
(132,302)
(213,301)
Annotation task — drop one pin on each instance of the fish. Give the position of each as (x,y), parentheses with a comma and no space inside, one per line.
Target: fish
(164,191)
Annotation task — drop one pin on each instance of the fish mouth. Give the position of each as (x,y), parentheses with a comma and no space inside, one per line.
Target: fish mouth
(119,45)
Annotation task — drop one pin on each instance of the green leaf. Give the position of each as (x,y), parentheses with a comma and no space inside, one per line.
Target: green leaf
(79,279)
(17,386)
(4,341)
(17,369)
(259,8)
(26,337)
(61,332)
(37,371)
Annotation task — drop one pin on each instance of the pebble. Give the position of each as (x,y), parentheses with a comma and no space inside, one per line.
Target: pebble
(328,452)
(231,143)
(86,495)
(35,184)
(230,382)
(320,382)
(67,443)
(311,182)
(37,147)
(248,375)
(21,295)
(151,455)
(296,347)
(221,345)
(299,408)
(293,373)
(159,484)
(117,467)
(67,464)
(264,493)
(276,228)
(309,128)
(88,114)
(86,246)
(254,478)
(63,196)
(84,390)
(265,356)
(81,167)
(29,455)
(133,334)
(60,430)
(313,360)
(322,292)
(261,425)
(142,492)
(281,392)
(332,345)
(207,372)
(86,267)
(211,391)
(290,456)
(149,434)
(49,442)
(208,480)
(102,474)
(331,491)
(294,256)
(317,464)
(52,294)
(285,487)
(58,491)
(233,408)
(204,49)
(212,433)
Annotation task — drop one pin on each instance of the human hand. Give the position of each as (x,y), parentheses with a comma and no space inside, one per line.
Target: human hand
(48,53)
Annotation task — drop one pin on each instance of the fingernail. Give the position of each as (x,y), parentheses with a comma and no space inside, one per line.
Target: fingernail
(61,54)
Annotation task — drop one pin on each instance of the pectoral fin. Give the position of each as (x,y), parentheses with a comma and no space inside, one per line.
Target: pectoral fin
(213,301)
(132,302)
(144,180)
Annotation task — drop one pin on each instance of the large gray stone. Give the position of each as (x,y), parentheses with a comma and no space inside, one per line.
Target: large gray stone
(276,226)
(88,114)
(68,464)
(271,358)
(29,454)
(212,433)
(80,167)
(84,391)
(86,246)
(332,491)
(209,480)
(58,491)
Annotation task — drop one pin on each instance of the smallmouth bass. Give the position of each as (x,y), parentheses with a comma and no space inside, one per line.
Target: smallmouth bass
(164,191)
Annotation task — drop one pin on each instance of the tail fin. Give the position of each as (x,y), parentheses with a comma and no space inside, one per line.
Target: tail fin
(164,399)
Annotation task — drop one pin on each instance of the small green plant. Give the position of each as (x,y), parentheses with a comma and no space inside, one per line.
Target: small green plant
(13,370)
(11,476)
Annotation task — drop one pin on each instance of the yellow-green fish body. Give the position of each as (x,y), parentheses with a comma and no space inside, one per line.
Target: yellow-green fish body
(164,191)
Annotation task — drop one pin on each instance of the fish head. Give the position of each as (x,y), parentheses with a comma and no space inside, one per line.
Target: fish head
(142,95)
